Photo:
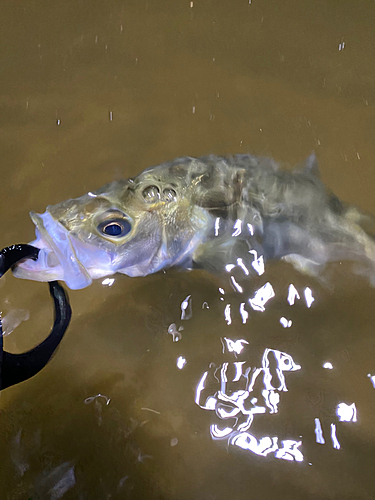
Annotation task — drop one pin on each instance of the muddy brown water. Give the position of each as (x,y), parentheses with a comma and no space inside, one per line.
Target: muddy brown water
(96,91)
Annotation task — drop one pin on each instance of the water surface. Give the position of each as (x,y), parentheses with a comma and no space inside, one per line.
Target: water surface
(96,91)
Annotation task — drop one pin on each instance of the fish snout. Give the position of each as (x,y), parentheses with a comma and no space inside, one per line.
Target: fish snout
(57,259)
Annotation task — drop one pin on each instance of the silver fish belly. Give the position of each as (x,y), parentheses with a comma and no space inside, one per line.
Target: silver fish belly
(199,212)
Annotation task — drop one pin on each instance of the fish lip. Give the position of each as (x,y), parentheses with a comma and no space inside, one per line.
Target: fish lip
(55,243)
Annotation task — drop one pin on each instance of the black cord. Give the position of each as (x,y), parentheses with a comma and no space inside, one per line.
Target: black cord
(15,368)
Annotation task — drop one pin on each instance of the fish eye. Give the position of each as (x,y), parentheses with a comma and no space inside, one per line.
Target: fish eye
(117,228)
(151,194)
(169,194)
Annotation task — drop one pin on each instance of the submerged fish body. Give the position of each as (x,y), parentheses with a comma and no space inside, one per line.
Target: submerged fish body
(206,212)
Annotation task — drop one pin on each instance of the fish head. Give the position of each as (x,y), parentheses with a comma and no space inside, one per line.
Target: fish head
(135,227)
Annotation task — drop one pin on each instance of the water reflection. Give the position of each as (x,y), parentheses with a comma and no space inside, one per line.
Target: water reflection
(176,334)
(285,87)
(186,308)
(292,294)
(108,281)
(372,378)
(227,316)
(237,228)
(242,266)
(258,262)
(346,413)
(286,323)
(241,391)
(319,432)
(261,297)
(308,296)
(235,346)
(244,314)
(236,392)
(236,285)
(335,442)
(266,445)
(181,362)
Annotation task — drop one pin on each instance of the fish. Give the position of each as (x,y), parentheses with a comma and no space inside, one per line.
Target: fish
(206,213)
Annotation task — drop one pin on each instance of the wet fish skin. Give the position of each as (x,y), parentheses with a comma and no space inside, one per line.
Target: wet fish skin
(200,212)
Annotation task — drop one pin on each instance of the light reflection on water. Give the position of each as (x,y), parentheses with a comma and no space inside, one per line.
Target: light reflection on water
(88,98)
(239,393)
(247,389)
(372,378)
(237,403)
(244,356)
(252,384)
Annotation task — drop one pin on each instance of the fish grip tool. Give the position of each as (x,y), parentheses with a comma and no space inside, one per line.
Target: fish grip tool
(15,368)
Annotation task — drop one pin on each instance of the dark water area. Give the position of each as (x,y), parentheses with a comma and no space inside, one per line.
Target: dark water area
(97,91)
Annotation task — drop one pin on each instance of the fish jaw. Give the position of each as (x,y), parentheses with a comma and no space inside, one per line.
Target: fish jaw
(57,259)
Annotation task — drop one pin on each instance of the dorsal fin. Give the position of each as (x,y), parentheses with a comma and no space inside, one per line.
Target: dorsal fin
(311,165)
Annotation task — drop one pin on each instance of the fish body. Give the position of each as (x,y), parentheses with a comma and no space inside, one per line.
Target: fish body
(198,212)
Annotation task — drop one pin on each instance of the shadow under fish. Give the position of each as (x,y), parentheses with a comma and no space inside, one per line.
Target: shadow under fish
(15,368)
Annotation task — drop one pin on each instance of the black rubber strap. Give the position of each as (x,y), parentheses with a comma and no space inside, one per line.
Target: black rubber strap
(15,368)
(16,253)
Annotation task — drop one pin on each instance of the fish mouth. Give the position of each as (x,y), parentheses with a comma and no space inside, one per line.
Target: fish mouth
(57,259)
